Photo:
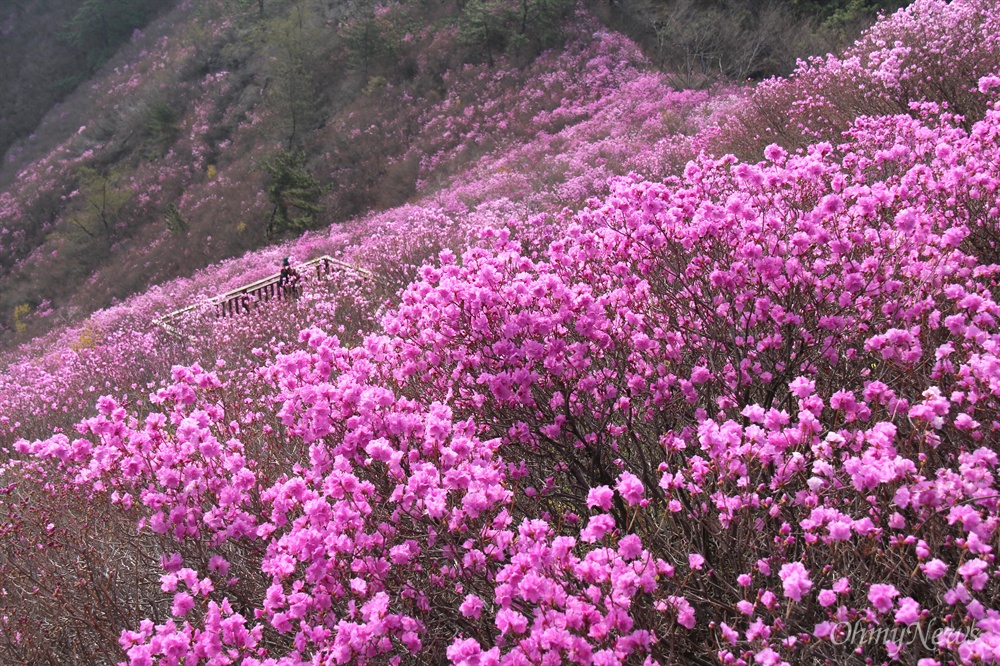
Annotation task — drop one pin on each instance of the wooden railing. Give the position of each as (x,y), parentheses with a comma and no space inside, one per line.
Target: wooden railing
(247,298)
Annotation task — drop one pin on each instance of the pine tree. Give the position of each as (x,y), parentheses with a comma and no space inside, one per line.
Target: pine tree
(294,192)
(99,27)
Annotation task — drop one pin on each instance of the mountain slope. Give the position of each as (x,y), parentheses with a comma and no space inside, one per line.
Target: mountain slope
(742,414)
(160,164)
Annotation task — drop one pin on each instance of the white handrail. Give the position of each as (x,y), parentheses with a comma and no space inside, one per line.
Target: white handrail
(251,287)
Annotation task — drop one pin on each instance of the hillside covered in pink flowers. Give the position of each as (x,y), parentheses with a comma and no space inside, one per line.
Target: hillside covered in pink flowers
(672,377)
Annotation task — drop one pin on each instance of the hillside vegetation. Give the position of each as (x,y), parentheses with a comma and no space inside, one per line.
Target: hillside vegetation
(630,374)
(164,162)
(49,47)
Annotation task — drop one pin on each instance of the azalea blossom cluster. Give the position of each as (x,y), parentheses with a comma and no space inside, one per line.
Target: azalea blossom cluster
(716,418)
(929,51)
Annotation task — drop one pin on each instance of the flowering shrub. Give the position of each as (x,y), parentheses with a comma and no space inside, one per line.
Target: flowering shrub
(929,51)
(742,416)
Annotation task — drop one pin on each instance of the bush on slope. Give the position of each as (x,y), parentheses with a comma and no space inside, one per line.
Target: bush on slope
(724,418)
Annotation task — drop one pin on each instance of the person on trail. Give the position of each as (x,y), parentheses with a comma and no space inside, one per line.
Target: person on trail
(289,277)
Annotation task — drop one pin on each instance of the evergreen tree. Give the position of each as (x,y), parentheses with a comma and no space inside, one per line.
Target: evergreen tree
(99,27)
(486,24)
(175,221)
(368,37)
(296,44)
(294,193)
(497,26)
(162,127)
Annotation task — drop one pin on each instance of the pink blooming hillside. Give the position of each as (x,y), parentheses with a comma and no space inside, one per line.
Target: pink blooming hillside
(593,111)
(747,414)
(390,143)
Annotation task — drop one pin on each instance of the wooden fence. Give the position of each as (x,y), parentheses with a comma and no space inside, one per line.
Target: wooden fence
(249,297)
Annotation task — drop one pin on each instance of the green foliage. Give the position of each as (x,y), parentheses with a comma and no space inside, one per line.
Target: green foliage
(90,337)
(369,36)
(243,7)
(375,85)
(540,21)
(99,27)
(487,25)
(845,17)
(294,193)
(66,85)
(841,21)
(497,26)
(297,44)
(175,222)
(825,9)
(104,197)
(49,47)
(161,126)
